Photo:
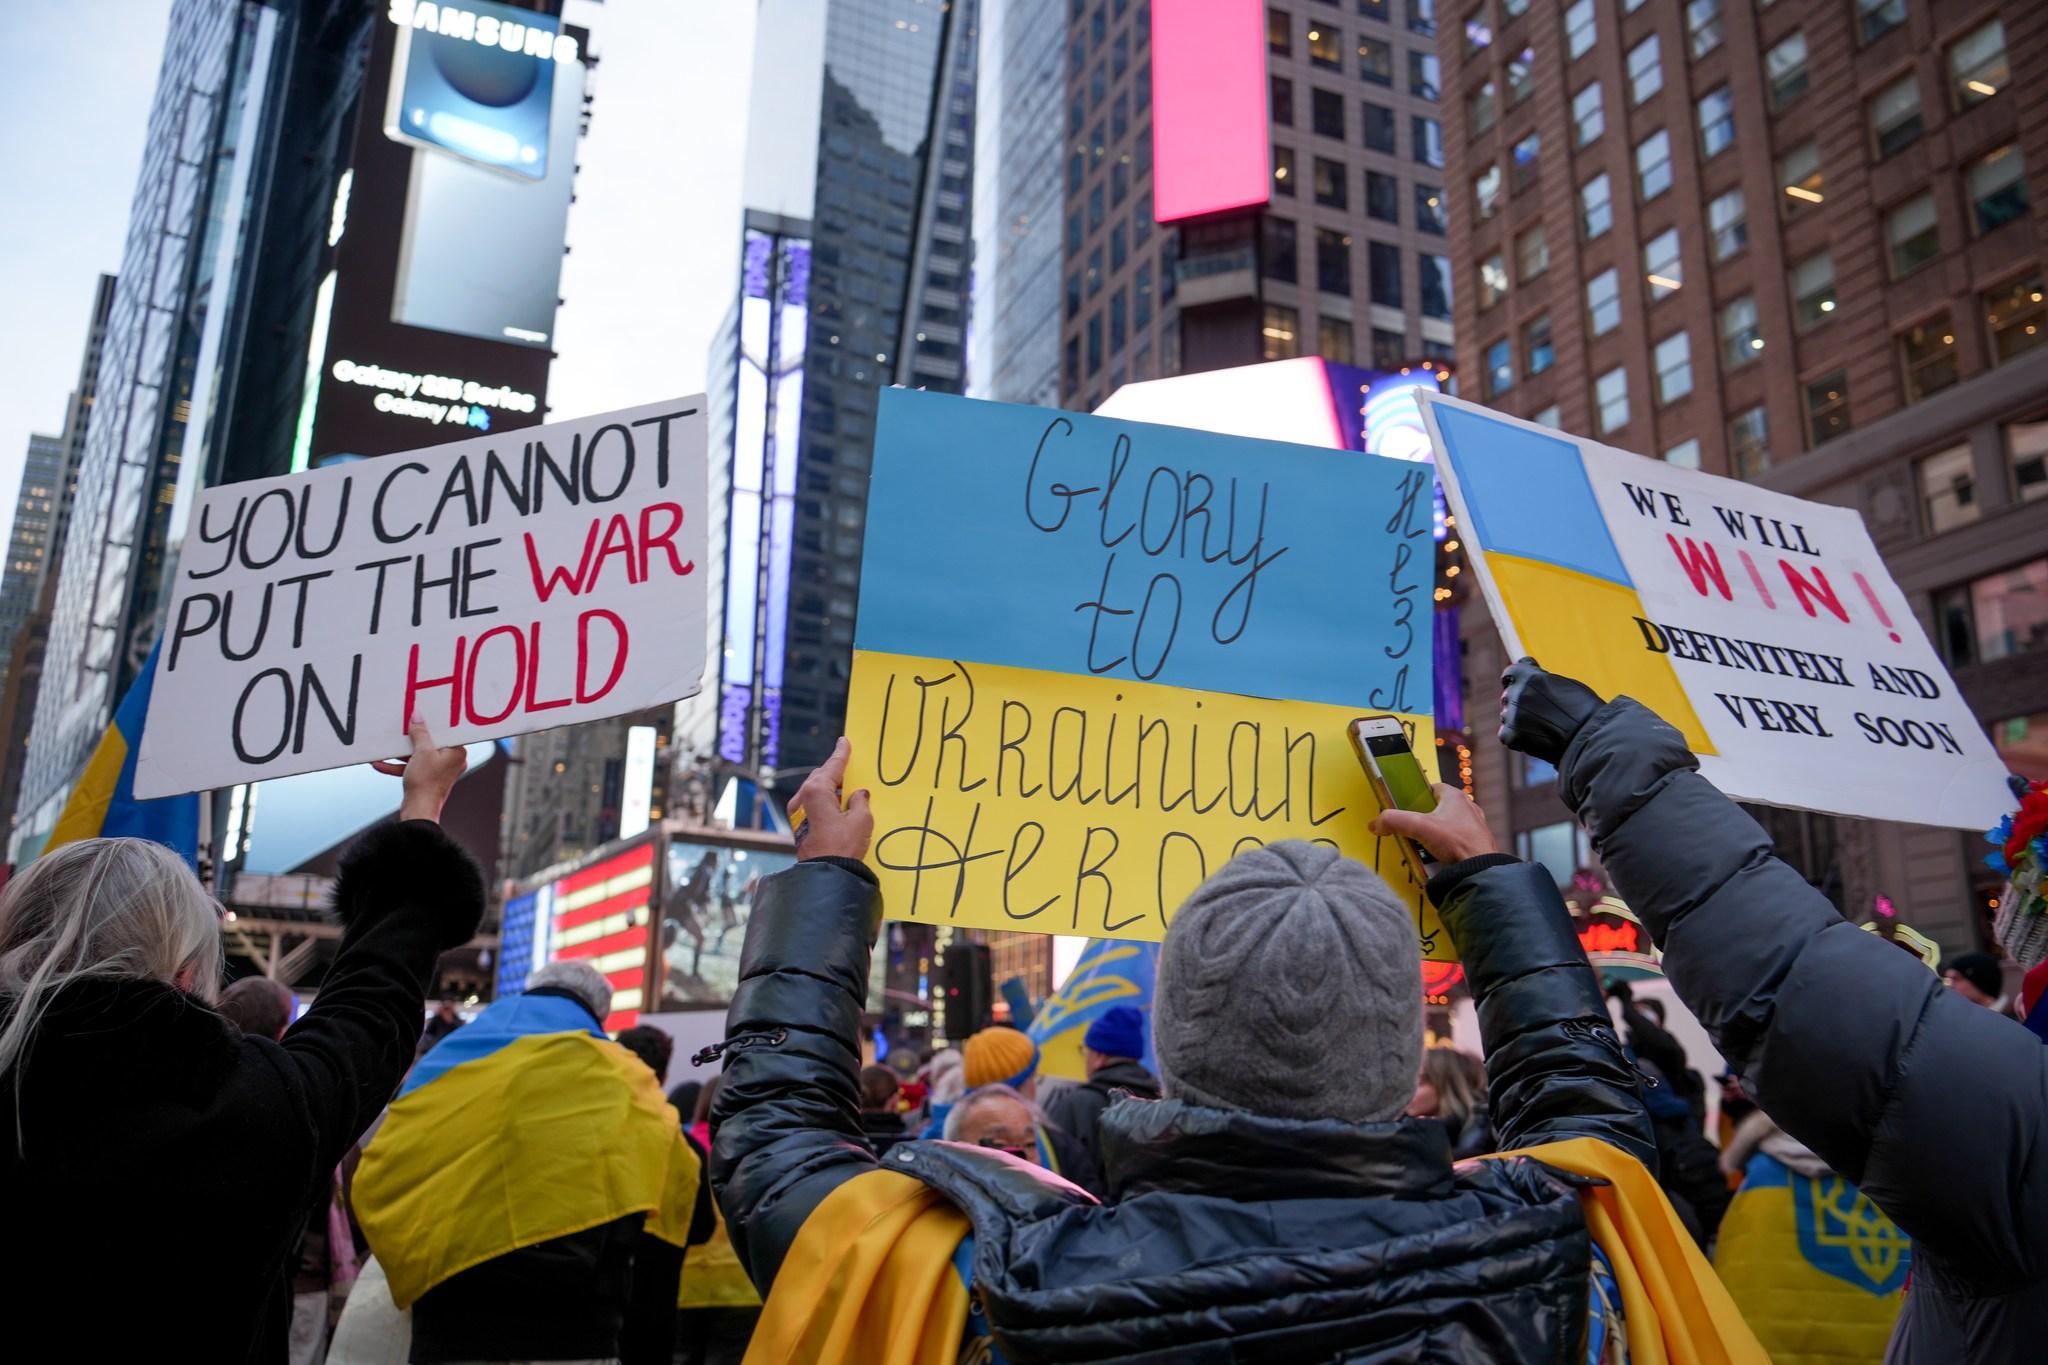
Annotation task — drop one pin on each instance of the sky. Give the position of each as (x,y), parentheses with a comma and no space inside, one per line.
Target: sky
(654,232)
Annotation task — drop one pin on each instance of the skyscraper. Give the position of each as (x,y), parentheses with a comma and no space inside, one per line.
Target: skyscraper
(28,544)
(1795,243)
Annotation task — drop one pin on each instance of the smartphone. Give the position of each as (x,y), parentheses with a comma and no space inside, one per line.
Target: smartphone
(471,96)
(1381,743)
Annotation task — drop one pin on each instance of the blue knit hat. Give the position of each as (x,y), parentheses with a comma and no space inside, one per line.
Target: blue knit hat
(1118,1031)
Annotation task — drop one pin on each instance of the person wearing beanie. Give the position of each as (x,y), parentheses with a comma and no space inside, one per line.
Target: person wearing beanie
(1975,977)
(1113,1049)
(1274,1204)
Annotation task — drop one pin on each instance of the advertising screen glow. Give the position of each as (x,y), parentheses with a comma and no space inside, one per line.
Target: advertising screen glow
(1209,135)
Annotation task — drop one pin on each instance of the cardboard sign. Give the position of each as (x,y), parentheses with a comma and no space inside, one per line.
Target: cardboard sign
(1096,658)
(1763,626)
(493,586)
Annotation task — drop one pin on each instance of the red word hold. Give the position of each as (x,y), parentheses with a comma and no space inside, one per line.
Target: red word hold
(511,662)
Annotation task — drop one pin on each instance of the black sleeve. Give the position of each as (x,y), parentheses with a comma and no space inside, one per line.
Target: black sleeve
(786,1124)
(703,1221)
(1554,1069)
(406,893)
(648,1335)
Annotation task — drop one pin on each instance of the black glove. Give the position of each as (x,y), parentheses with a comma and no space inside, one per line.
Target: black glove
(1620,990)
(1540,712)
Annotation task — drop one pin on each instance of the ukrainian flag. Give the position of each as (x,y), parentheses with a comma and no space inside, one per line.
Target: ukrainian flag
(526,1125)
(103,804)
(1111,971)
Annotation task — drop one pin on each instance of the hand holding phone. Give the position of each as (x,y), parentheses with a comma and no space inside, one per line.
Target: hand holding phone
(1381,743)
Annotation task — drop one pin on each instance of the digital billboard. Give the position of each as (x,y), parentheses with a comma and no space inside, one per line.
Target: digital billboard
(599,914)
(1210,150)
(704,919)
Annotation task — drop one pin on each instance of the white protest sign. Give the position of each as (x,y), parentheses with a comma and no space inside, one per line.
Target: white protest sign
(1765,627)
(492,586)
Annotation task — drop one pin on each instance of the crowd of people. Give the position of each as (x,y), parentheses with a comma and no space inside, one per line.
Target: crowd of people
(1266,1164)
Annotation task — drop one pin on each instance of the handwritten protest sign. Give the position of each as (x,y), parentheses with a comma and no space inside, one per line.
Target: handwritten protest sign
(492,586)
(1096,658)
(1763,626)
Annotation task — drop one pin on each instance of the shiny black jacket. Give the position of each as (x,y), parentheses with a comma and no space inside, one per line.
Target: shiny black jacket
(1934,1107)
(1233,1236)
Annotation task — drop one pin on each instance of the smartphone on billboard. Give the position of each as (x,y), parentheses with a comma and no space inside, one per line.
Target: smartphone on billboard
(466,93)
(1381,743)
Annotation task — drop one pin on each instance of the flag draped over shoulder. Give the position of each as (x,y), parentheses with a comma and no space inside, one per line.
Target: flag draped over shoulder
(1110,972)
(525,1125)
(103,804)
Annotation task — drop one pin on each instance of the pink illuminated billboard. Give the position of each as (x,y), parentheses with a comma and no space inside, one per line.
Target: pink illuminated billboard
(1209,135)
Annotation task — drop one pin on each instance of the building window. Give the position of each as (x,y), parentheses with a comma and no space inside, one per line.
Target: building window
(1325,46)
(1333,262)
(1537,352)
(1524,160)
(1998,616)
(1486,192)
(1282,332)
(1330,183)
(1374,9)
(1283,170)
(1703,26)
(1383,265)
(1428,136)
(1596,207)
(1514,9)
(1717,122)
(1740,340)
(1429,210)
(1532,253)
(1875,18)
(1073,295)
(2016,316)
(1480,108)
(1813,289)
(1977,68)
(1911,236)
(1684,455)
(1728,224)
(1493,280)
(1141,297)
(1277,241)
(2026,451)
(1435,273)
(1645,70)
(1603,302)
(1948,489)
(1588,120)
(1425,78)
(1094,272)
(1379,127)
(1998,188)
(1521,76)
(1653,164)
(1117,252)
(1663,271)
(1785,69)
(1895,121)
(1674,367)
(1333,340)
(1375,61)
(1799,175)
(1279,36)
(1478,33)
(1749,447)
(1578,29)
(1422,17)
(1827,408)
(1280,96)
(1141,212)
(1610,399)
(1116,322)
(1550,417)
(1382,197)
(1326,113)
(1389,350)
(1500,369)
(1094,345)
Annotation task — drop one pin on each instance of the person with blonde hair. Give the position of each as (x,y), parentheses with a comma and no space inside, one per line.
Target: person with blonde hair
(128,1101)
(1451,1088)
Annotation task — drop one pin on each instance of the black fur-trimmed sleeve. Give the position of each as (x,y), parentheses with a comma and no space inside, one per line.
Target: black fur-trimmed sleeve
(414,867)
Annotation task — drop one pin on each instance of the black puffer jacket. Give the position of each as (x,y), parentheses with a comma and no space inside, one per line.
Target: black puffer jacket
(1233,1236)
(149,1120)
(1935,1108)
(1077,1110)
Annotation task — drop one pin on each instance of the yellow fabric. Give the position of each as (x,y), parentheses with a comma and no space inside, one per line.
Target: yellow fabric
(713,1276)
(85,810)
(870,1281)
(995,1054)
(551,1134)
(1676,1308)
(1802,1314)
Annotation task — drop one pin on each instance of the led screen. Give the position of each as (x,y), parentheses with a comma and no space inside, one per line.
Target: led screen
(1209,137)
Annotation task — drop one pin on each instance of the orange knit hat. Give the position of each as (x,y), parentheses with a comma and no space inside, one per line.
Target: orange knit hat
(998,1054)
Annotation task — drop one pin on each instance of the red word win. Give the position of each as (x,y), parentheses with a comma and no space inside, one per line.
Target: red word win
(1807,588)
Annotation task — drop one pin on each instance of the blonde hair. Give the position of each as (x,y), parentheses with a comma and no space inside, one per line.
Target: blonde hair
(99,908)
(1460,1081)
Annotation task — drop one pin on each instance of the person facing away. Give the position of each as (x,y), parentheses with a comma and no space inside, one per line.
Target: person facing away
(1274,1205)
(1450,1087)
(879,1121)
(126,1100)
(1112,1049)
(507,1191)
(1976,978)
(1934,1107)
(258,1006)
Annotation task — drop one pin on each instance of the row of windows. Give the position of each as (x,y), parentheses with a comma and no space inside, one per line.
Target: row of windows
(1280,259)
(1281,336)
(1331,182)
(1325,47)
(1376,122)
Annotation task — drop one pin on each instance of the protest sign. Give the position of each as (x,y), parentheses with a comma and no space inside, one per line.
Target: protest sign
(1096,658)
(1763,626)
(492,586)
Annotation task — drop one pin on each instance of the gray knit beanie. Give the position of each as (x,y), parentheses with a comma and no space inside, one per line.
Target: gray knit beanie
(1290,984)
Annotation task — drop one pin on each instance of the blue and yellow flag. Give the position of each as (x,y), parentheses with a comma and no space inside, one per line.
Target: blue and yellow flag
(523,1126)
(1111,972)
(103,804)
